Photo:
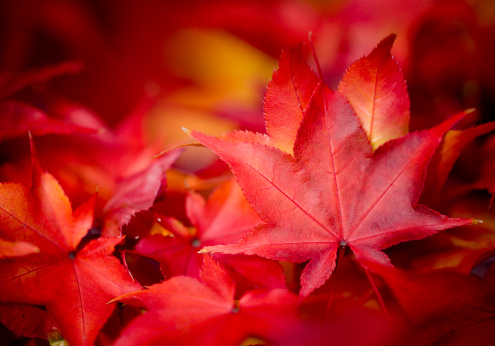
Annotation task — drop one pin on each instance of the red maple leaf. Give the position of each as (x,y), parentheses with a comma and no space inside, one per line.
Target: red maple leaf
(135,193)
(224,218)
(73,280)
(186,311)
(333,191)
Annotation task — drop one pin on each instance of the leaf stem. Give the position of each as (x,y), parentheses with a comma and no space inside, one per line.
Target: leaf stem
(318,67)
(340,256)
(378,295)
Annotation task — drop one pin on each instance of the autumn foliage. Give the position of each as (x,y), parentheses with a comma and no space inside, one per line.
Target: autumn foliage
(347,202)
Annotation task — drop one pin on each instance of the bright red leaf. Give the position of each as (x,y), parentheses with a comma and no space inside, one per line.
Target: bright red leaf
(224,218)
(334,191)
(186,311)
(120,162)
(135,193)
(72,280)
(334,170)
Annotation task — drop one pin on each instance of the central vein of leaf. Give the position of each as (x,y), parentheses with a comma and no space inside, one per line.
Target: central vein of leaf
(81,305)
(334,175)
(294,84)
(372,115)
(33,270)
(30,227)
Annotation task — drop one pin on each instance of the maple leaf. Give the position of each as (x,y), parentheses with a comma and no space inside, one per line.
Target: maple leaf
(72,280)
(376,89)
(224,218)
(333,191)
(135,193)
(120,161)
(184,310)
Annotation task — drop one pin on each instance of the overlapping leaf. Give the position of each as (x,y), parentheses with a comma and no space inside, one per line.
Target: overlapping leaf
(184,310)
(224,218)
(377,91)
(72,280)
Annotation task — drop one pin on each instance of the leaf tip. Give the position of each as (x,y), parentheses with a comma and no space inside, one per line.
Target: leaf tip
(477,221)
(159,154)
(36,169)
(114,300)
(384,46)
(388,41)
(186,130)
